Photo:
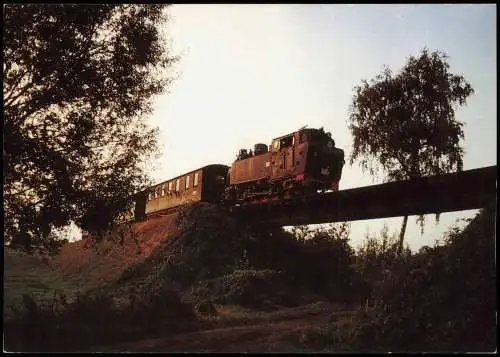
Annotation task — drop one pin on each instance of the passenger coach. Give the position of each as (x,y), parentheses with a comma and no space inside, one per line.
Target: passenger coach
(204,184)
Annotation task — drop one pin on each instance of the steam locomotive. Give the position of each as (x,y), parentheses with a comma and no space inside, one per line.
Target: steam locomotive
(301,163)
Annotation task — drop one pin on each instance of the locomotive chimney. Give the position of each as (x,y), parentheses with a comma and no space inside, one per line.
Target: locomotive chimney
(243,154)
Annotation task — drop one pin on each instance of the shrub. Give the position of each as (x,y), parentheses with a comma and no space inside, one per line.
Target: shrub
(442,299)
(323,261)
(249,288)
(215,257)
(208,244)
(95,319)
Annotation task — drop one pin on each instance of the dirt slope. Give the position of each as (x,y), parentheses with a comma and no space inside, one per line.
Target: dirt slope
(98,263)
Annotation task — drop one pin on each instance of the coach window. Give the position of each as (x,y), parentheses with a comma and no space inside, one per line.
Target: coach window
(187,181)
(162,190)
(150,196)
(195,182)
(177,184)
(156,193)
(170,186)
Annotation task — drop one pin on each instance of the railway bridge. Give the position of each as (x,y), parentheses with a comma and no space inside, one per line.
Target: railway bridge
(470,189)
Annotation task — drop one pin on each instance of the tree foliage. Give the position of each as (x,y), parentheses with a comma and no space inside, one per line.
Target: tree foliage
(78,83)
(329,232)
(378,254)
(404,124)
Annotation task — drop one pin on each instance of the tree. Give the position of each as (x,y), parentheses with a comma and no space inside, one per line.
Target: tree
(405,123)
(301,232)
(329,258)
(78,83)
(378,255)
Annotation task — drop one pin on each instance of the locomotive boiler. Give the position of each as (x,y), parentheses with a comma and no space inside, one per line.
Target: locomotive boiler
(299,163)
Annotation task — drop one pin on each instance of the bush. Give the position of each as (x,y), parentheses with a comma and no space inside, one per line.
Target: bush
(92,308)
(324,260)
(95,319)
(209,244)
(378,255)
(442,299)
(248,288)
(215,257)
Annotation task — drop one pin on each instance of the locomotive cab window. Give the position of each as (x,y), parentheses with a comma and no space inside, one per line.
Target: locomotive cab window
(195,181)
(287,141)
(275,145)
(187,181)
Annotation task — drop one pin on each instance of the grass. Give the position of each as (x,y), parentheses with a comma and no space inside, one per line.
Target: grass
(105,262)
(25,274)
(336,335)
(233,315)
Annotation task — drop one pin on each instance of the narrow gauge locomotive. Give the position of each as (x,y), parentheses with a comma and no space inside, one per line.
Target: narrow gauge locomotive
(297,164)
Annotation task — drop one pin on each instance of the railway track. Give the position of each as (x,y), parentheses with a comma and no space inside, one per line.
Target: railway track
(471,189)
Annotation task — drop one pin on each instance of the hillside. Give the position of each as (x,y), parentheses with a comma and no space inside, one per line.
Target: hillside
(26,274)
(104,262)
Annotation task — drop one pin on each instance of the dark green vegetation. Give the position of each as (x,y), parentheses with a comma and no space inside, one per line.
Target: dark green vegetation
(441,299)
(79,81)
(28,274)
(44,312)
(95,319)
(215,258)
(404,124)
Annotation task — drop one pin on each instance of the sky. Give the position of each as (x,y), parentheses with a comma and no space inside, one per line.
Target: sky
(249,73)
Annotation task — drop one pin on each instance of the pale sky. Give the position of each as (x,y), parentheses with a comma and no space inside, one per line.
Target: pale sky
(250,73)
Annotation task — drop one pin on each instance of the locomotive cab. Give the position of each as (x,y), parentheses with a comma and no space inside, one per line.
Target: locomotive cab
(282,143)
(324,160)
(307,159)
